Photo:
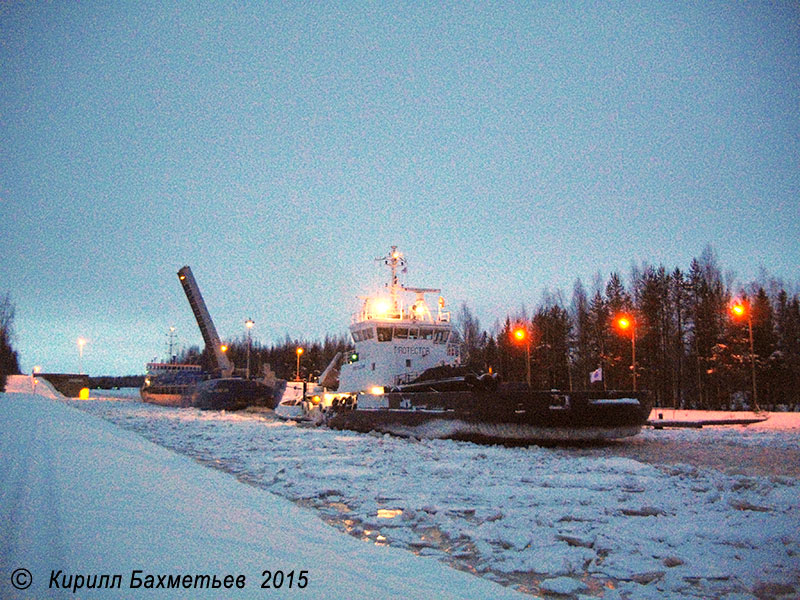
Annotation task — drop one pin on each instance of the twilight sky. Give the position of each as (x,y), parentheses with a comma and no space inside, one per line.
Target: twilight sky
(278,148)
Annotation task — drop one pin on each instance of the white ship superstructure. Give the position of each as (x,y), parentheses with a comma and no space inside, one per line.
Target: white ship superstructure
(395,339)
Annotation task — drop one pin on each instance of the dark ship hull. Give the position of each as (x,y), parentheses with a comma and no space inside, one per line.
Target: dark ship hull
(167,383)
(229,394)
(508,413)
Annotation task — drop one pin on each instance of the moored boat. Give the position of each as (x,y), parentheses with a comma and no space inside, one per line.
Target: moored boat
(165,383)
(185,385)
(403,377)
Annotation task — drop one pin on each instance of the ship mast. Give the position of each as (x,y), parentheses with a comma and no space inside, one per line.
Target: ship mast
(394,261)
(171,350)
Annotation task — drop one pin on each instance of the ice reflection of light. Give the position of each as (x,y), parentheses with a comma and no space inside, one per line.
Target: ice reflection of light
(389,513)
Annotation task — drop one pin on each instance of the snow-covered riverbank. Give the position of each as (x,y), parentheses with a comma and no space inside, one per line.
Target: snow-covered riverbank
(90,510)
(589,521)
(623,520)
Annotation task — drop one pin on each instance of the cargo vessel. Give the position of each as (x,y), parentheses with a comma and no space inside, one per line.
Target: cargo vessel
(165,383)
(189,385)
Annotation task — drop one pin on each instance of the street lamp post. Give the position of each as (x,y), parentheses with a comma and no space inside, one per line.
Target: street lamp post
(521,334)
(625,322)
(740,309)
(81,344)
(249,324)
(299,352)
(36,370)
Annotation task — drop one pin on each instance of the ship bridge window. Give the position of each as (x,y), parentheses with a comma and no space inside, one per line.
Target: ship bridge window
(413,333)
(384,334)
(401,333)
(426,334)
(363,334)
(440,337)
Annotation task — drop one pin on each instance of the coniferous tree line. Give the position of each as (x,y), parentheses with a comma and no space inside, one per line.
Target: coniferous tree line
(9,361)
(281,358)
(690,350)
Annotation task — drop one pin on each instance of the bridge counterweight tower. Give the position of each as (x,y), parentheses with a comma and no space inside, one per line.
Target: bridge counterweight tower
(203,318)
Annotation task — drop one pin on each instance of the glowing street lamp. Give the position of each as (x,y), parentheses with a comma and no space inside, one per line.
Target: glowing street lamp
(36,370)
(81,344)
(299,353)
(249,324)
(625,322)
(521,335)
(739,310)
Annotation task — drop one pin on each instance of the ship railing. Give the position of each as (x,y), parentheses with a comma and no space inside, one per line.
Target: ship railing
(368,315)
(406,378)
(164,367)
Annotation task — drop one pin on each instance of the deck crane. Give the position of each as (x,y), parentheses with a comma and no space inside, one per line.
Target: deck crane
(221,363)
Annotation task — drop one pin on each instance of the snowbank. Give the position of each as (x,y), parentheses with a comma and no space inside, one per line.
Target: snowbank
(680,513)
(82,496)
(24,384)
(783,421)
(580,522)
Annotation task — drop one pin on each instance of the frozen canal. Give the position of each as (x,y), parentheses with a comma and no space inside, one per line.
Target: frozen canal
(625,520)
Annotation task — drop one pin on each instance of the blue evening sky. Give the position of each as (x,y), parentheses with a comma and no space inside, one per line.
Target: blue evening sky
(278,148)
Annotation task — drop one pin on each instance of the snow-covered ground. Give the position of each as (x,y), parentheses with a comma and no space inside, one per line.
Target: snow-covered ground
(678,513)
(81,498)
